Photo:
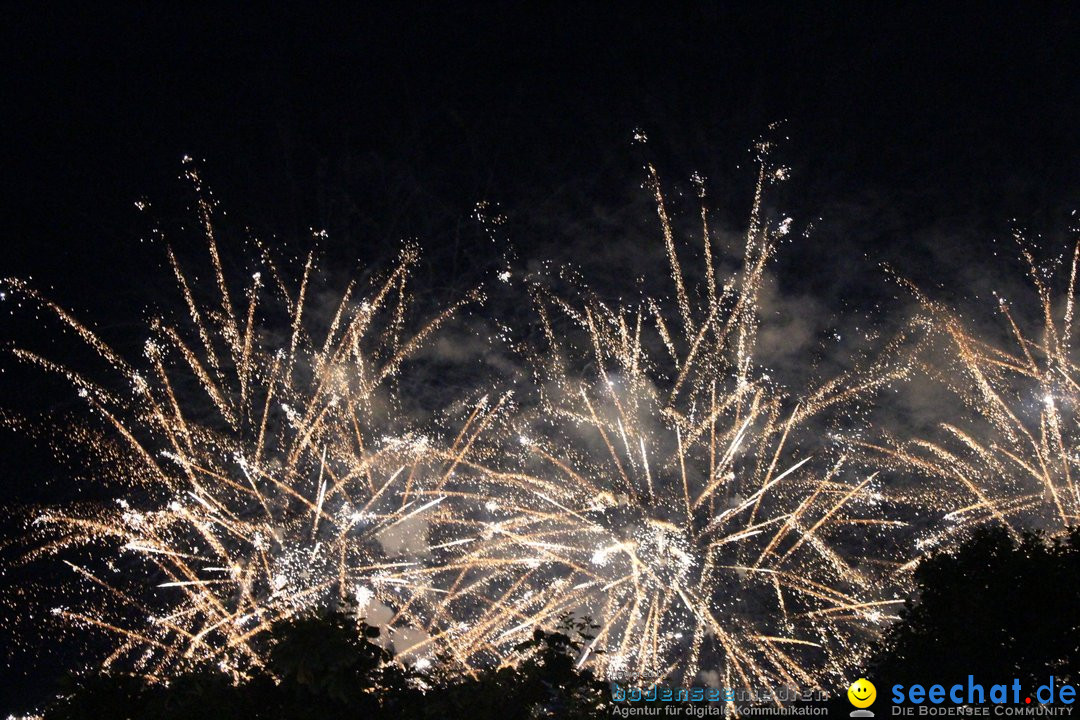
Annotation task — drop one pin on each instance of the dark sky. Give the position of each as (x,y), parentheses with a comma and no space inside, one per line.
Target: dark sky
(916,136)
(390,123)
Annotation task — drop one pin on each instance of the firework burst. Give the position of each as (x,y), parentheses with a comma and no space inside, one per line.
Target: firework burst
(1012,458)
(665,486)
(261,474)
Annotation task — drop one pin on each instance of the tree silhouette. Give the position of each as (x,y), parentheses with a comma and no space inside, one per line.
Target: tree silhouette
(999,607)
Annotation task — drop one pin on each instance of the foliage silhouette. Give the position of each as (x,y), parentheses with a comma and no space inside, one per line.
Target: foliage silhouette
(999,607)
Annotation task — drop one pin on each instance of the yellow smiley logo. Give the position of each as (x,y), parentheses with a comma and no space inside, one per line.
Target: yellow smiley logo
(862,693)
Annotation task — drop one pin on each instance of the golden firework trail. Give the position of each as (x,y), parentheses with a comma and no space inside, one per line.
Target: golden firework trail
(1012,457)
(666,487)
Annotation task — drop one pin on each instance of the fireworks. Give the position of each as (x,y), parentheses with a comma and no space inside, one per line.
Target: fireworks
(675,494)
(1011,459)
(709,520)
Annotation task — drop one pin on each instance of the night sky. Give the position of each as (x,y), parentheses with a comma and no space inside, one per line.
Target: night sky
(918,138)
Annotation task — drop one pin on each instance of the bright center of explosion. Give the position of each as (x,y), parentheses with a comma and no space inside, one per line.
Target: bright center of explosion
(659,551)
